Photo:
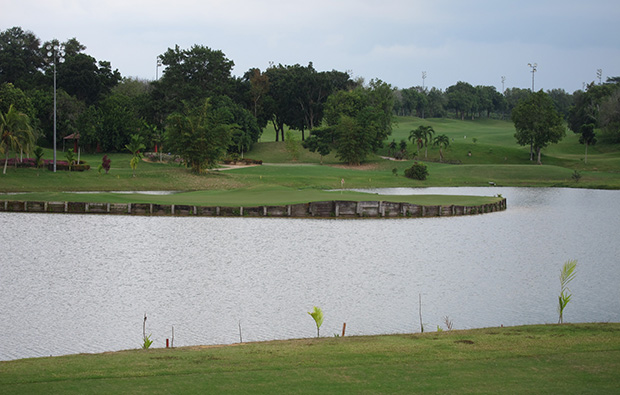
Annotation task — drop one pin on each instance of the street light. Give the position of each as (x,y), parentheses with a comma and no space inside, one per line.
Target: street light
(159,64)
(533,66)
(56,53)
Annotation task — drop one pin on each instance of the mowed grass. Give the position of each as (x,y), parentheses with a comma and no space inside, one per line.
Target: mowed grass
(493,158)
(580,358)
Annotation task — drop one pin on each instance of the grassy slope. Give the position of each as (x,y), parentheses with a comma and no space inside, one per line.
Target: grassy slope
(533,359)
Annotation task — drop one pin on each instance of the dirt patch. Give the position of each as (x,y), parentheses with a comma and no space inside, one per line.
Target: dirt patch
(366,166)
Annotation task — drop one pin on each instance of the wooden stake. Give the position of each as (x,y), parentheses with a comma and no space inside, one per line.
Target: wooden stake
(344,326)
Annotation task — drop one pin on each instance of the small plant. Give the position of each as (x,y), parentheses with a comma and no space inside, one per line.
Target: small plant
(448,322)
(474,140)
(146,340)
(70,157)
(418,171)
(566,276)
(317,315)
(576,176)
(38,154)
(395,171)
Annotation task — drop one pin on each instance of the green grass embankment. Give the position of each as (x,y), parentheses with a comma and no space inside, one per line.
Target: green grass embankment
(581,358)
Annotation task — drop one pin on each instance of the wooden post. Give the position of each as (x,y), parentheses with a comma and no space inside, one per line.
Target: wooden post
(344,326)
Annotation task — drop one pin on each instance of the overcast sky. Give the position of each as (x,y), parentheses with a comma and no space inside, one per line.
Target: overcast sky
(476,41)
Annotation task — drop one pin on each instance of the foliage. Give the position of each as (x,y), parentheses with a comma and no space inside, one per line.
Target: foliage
(320,140)
(537,123)
(38,153)
(200,135)
(146,342)
(442,141)
(190,76)
(566,276)
(15,133)
(105,164)
(418,171)
(576,176)
(317,315)
(361,119)
(135,146)
(70,155)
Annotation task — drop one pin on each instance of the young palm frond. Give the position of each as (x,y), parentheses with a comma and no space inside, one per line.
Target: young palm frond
(566,276)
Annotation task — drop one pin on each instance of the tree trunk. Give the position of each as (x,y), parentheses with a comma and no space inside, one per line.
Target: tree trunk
(586,159)
(6,160)
(539,152)
(531,151)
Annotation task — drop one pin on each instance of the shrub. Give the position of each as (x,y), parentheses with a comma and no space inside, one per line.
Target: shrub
(417,172)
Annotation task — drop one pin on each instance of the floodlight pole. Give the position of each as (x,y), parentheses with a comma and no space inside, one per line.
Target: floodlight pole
(533,66)
(55,60)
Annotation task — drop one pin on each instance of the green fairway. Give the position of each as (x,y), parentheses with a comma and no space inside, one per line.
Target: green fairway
(532,359)
(494,157)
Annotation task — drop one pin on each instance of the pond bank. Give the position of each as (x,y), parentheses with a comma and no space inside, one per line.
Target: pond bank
(322,209)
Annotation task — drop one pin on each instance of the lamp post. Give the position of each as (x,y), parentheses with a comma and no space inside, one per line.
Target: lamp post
(159,64)
(533,66)
(56,53)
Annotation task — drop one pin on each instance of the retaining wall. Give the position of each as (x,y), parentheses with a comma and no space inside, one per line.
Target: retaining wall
(327,209)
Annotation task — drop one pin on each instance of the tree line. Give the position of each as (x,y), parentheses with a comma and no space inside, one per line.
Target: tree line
(197,99)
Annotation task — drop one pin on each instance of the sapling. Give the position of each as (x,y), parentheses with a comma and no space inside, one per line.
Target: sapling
(566,276)
(317,314)
(146,340)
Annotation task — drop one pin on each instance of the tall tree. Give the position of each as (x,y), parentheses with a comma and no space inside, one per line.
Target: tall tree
(462,98)
(362,120)
(442,141)
(192,75)
(537,122)
(200,135)
(20,57)
(15,133)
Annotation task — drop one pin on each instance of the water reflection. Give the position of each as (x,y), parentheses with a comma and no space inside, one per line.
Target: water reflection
(82,283)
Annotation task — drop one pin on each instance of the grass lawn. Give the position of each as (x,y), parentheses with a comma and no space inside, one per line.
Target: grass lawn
(532,359)
(494,157)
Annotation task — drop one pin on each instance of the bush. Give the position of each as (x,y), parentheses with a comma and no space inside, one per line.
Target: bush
(417,172)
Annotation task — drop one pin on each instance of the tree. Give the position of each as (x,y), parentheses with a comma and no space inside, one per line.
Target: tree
(610,118)
(537,123)
(85,78)
(135,146)
(320,140)
(361,119)
(462,98)
(15,133)
(442,141)
(191,75)
(200,135)
(423,135)
(417,136)
(20,57)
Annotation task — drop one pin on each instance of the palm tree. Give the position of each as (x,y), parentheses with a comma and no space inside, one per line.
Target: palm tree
(417,136)
(134,146)
(442,141)
(428,136)
(15,133)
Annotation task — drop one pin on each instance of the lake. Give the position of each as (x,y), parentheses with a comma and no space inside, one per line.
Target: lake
(82,283)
